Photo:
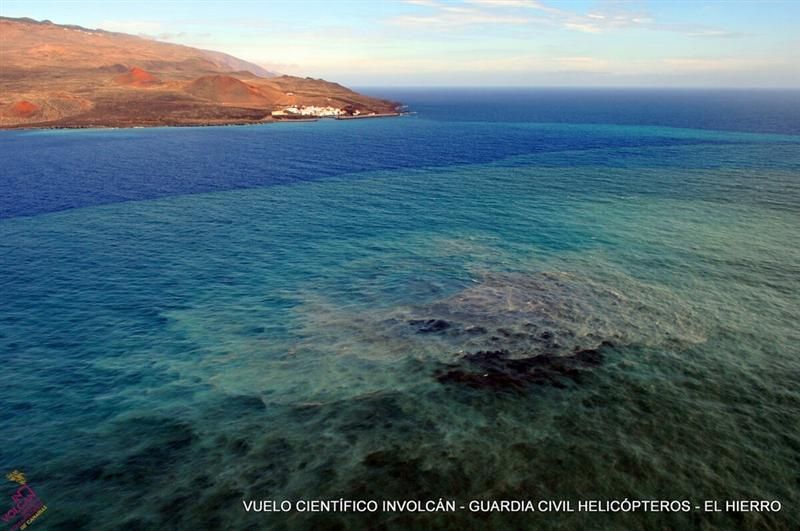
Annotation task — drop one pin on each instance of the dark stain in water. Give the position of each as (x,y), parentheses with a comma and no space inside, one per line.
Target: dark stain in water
(428,326)
(496,369)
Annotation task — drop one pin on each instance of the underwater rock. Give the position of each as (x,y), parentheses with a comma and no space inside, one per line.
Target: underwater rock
(243,403)
(496,369)
(427,326)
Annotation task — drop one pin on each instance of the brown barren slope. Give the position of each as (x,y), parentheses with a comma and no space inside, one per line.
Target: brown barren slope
(54,75)
(227,89)
(23,109)
(137,77)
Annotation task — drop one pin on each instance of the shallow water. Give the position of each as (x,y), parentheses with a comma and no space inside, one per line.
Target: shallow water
(192,317)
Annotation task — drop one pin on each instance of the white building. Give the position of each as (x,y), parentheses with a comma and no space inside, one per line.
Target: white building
(310,110)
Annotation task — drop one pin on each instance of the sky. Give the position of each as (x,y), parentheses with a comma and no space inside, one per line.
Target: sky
(473,42)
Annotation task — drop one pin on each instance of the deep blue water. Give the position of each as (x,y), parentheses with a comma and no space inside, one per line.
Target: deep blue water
(764,111)
(506,294)
(60,170)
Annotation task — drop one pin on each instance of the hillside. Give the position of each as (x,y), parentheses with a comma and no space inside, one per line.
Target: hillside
(54,75)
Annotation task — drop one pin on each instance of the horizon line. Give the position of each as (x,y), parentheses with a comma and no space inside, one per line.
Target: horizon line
(576,87)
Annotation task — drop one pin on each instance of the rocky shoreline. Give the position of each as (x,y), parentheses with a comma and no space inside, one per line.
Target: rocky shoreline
(167,123)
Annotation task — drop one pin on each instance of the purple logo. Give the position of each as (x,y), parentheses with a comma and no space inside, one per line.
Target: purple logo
(25,504)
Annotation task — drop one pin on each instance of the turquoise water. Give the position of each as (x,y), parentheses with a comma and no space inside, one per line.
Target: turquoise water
(367,333)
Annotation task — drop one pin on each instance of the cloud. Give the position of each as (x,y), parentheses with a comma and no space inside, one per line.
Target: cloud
(518,4)
(149,30)
(581,63)
(609,17)
(583,27)
(133,26)
(451,20)
(426,3)
(443,16)
(170,36)
(437,14)
(720,64)
(714,34)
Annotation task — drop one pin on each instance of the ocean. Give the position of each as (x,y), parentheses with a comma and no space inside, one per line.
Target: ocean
(506,294)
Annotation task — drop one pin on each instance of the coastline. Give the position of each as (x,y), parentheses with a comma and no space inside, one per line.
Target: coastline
(376,115)
(221,123)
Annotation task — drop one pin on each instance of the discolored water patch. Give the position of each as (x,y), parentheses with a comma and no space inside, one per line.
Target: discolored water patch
(517,324)
(498,370)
